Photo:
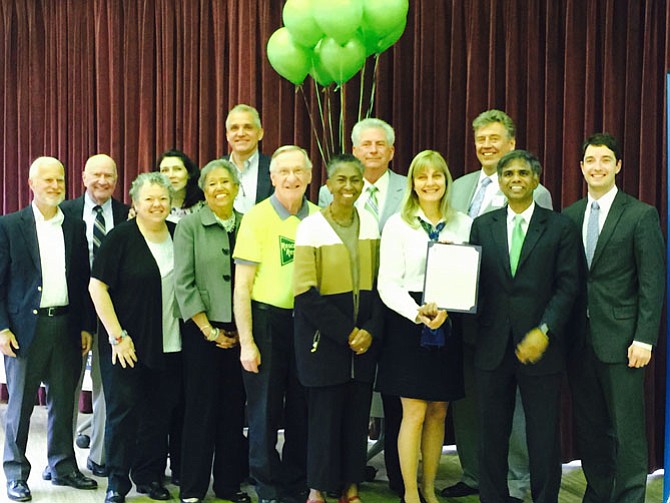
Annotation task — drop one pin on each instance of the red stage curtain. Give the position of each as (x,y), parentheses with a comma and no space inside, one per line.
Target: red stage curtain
(134,77)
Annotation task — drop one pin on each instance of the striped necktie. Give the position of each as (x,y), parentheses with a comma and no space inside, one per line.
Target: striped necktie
(372,204)
(99,231)
(478,200)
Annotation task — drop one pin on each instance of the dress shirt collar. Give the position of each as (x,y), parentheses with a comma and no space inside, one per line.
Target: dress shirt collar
(605,201)
(527,214)
(57,219)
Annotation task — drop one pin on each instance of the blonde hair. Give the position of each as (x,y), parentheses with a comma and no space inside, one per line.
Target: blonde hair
(410,202)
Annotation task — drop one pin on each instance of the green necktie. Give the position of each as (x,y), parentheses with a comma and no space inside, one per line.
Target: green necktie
(517,243)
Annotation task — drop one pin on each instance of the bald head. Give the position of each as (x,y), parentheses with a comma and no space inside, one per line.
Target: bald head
(100,177)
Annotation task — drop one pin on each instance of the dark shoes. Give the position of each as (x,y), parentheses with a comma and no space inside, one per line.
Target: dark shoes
(46,473)
(17,490)
(75,479)
(235,497)
(114,497)
(458,491)
(155,491)
(512,499)
(96,469)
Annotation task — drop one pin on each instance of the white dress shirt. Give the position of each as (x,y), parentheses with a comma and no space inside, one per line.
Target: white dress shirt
(402,260)
(492,192)
(527,214)
(52,258)
(382,185)
(246,196)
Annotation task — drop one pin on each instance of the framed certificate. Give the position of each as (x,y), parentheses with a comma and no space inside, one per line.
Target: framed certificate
(452,276)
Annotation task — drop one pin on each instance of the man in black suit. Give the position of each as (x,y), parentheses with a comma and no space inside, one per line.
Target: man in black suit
(243,132)
(99,178)
(529,280)
(44,325)
(624,285)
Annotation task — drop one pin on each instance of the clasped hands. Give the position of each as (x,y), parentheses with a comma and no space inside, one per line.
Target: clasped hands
(431,316)
(532,347)
(359,340)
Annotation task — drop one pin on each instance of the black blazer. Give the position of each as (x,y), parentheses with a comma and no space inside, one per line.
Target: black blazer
(21,276)
(542,291)
(75,207)
(626,282)
(264,188)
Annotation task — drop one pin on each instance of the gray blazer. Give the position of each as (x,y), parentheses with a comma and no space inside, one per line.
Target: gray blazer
(202,266)
(397,184)
(464,189)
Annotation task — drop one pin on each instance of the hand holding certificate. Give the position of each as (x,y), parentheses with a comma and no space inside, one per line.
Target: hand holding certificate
(452,276)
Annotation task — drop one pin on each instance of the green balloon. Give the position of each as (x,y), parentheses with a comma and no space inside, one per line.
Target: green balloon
(318,72)
(390,39)
(299,19)
(342,61)
(290,60)
(339,19)
(382,17)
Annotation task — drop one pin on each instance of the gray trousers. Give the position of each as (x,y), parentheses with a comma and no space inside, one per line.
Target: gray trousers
(54,358)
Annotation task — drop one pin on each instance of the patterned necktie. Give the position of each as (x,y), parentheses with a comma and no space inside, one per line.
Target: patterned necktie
(433,232)
(592,231)
(371,204)
(477,201)
(99,231)
(517,243)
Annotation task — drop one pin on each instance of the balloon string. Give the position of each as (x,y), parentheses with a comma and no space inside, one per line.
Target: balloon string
(329,106)
(343,100)
(311,117)
(374,86)
(322,117)
(360,93)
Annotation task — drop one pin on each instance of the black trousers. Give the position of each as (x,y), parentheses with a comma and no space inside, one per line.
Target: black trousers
(214,417)
(338,431)
(392,419)
(275,397)
(54,358)
(608,408)
(540,396)
(140,401)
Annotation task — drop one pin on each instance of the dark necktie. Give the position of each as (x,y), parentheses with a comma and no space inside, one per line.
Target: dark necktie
(99,231)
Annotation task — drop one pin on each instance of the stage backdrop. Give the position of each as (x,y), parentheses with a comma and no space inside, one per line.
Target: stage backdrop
(134,77)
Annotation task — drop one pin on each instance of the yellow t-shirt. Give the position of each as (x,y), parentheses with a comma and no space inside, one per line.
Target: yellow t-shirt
(266,238)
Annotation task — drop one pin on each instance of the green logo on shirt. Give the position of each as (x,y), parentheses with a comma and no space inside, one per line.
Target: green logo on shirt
(286,250)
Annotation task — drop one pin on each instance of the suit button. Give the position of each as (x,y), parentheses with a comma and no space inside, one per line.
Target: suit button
(39,288)
(34,311)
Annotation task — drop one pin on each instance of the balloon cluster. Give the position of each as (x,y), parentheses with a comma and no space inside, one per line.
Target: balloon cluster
(330,39)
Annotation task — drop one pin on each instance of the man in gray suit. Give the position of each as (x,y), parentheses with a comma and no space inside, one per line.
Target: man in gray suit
(624,283)
(383,189)
(477,193)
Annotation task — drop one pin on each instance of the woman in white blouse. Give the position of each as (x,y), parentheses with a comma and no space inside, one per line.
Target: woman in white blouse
(421,358)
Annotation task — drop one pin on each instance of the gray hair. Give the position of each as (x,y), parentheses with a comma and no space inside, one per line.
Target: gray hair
(372,123)
(150,178)
(245,108)
(341,160)
(35,166)
(289,148)
(218,163)
(492,116)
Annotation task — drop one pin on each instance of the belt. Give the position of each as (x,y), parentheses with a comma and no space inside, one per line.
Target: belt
(53,311)
(269,307)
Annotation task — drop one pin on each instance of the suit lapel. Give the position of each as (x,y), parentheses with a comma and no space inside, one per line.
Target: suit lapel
(499,234)
(536,227)
(29,231)
(395,192)
(68,238)
(613,217)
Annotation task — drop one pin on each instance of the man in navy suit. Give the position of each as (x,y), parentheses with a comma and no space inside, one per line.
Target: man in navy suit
(623,286)
(243,132)
(99,178)
(528,284)
(45,325)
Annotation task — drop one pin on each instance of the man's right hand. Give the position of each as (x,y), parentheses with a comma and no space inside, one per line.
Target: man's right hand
(7,342)
(250,357)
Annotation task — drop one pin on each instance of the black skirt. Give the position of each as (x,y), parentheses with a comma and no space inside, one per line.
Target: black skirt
(410,371)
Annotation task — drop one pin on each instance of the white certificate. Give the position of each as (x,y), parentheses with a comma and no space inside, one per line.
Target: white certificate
(452,276)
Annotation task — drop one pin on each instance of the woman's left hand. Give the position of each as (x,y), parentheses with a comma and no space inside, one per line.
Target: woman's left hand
(360,341)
